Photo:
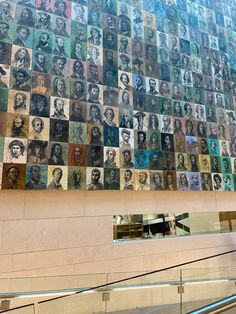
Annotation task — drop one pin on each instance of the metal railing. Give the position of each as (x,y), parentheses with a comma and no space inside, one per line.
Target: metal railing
(170,287)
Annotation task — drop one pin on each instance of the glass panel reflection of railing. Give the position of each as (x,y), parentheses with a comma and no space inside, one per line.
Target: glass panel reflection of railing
(158,225)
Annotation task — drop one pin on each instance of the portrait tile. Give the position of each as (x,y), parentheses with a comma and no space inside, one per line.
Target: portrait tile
(25,15)
(181,162)
(226,165)
(43,20)
(79,13)
(77,132)
(150,35)
(111,136)
(124,27)
(228,182)
(13,177)
(182,181)
(18,102)
(213,146)
(78,90)
(164,89)
(217,180)
(76,178)
(94,178)
(61,26)
(17,125)
(149,20)
(140,140)
(179,126)
(36,177)
(127,179)
(94,134)
(42,41)
(154,139)
(59,130)
(223,132)
(196,65)
(41,83)
(170,182)
(38,128)
(8,11)
(142,180)
(37,152)
(141,158)
(94,17)
(193,163)
(179,143)
(15,150)
(155,160)
(78,69)
(110,77)
(59,66)
(57,178)
(204,163)
(62,8)
(166,124)
(60,87)
(125,99)
(59,108)
(77,155)
(167,142)
(126,138)
(58,153)
(194,179)
(124,62)
(124,44)
(95,93)
(39,105)
(60,46)
(192,145)
(95,156)
(111,117)
(140,121)
(110,96)
(111,179)
(79,48)
(95,36)
(20,80)
(7,30)
(23,36)
(78,111)
(224,148)
(156,180)
(41,5)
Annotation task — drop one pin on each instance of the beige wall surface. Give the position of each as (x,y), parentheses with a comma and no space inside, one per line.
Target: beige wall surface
(52,233)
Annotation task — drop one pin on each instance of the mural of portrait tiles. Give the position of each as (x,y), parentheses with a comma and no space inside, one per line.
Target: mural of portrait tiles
(118,95)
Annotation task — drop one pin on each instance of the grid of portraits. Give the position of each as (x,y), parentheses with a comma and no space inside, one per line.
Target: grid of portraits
(107,94)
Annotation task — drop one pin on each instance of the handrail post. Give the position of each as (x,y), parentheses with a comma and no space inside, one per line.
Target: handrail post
(36,308)
(180,289)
